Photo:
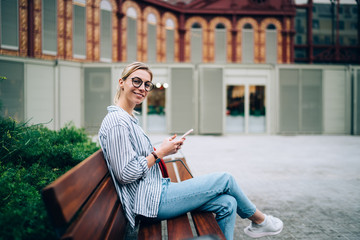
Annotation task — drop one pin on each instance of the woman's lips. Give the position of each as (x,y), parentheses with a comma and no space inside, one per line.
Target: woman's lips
(139,94)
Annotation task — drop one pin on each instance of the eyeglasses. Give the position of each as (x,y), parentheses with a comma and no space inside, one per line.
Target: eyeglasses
(137,82)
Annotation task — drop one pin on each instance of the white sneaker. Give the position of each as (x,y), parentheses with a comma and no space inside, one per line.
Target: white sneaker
(270,226)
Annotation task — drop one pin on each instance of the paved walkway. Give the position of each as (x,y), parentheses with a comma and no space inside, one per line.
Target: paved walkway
(311,182)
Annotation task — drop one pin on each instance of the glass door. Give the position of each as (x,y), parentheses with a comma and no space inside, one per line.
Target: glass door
(257,109)
(235,109)
(245,109)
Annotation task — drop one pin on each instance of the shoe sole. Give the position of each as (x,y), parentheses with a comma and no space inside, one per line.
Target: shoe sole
(259,235)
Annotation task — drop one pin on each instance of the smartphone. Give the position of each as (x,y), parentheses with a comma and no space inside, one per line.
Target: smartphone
(187,133)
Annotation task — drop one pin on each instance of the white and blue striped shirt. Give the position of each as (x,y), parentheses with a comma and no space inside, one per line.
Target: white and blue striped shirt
(125,147)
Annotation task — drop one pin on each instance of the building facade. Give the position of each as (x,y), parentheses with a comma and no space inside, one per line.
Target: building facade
(220,66)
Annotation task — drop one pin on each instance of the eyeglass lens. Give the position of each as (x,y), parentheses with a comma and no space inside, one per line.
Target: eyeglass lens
(137,82)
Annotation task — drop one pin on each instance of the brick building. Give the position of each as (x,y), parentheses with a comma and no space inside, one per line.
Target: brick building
(221,66)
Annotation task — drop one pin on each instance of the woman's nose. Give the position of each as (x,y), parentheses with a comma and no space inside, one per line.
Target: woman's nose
(142,87)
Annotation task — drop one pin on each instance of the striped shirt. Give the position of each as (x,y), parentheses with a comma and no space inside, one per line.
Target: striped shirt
(125,146)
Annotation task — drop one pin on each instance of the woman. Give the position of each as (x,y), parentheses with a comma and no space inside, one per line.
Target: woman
(143,191)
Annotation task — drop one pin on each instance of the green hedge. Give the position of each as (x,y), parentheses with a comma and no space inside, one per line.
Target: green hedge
(31,157)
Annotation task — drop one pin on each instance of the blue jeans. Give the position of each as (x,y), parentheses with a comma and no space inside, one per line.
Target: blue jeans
(218,193)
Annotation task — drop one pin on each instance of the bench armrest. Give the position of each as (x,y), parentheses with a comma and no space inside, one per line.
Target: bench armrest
(182,162)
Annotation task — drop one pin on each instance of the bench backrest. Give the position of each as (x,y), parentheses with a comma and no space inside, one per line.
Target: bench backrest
(83,203)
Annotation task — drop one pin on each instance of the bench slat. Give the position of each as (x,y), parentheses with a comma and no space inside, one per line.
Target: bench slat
(68,193)
(117,227)
(179,228)
(150,231)
(96,215)
(205,224)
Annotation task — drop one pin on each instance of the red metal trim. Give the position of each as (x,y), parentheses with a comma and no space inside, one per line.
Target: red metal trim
(120,16)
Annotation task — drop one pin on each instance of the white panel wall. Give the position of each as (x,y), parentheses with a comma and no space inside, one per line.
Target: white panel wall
(40,94)
(335,99)
(70,95)
(54,92)
(182,106)
(356,101)
(211,101)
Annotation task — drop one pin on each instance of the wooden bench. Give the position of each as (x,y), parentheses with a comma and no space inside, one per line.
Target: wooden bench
(83,204)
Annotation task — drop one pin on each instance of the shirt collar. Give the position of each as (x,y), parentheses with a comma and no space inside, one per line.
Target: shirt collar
(114,108)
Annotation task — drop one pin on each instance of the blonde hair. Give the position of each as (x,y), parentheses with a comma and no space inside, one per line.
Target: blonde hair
(128,70)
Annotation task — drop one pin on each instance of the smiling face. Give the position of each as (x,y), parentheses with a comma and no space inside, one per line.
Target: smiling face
(130,95)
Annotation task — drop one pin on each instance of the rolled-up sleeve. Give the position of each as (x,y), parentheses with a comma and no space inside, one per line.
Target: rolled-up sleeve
(126,164)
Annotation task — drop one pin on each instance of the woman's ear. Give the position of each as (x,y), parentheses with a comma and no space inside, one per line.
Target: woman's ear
(121,84)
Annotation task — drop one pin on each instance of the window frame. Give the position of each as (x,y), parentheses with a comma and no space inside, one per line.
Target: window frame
(44,51)
(6,46)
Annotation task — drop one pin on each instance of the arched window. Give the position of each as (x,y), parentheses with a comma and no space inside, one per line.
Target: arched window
(105,31)
(79,29)
(196,40)
(9,24)
(170,40)
(248,43)
(271,44)
(151,38)
(131,34)
(49,27)
(220,43)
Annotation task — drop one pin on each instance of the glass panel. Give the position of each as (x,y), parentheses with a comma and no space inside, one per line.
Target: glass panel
(131,39)
(220,45)
(151,42)
(170,39)
(196,44)
(248,46)
(156,110)
(79,38)
(301,53)
(9,24)
(322,24)
(348,24)
(105,37)
(301,1)
(235,109)
(49,27)
(257,111)
(271,46)
(12,90)
(301,26)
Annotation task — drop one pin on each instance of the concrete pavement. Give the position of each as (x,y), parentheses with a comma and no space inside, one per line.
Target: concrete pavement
(311,182)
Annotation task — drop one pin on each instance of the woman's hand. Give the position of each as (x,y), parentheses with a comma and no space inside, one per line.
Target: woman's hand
(169,146)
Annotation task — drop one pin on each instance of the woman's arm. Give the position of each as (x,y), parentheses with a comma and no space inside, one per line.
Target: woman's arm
(127,165)
(168,147)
